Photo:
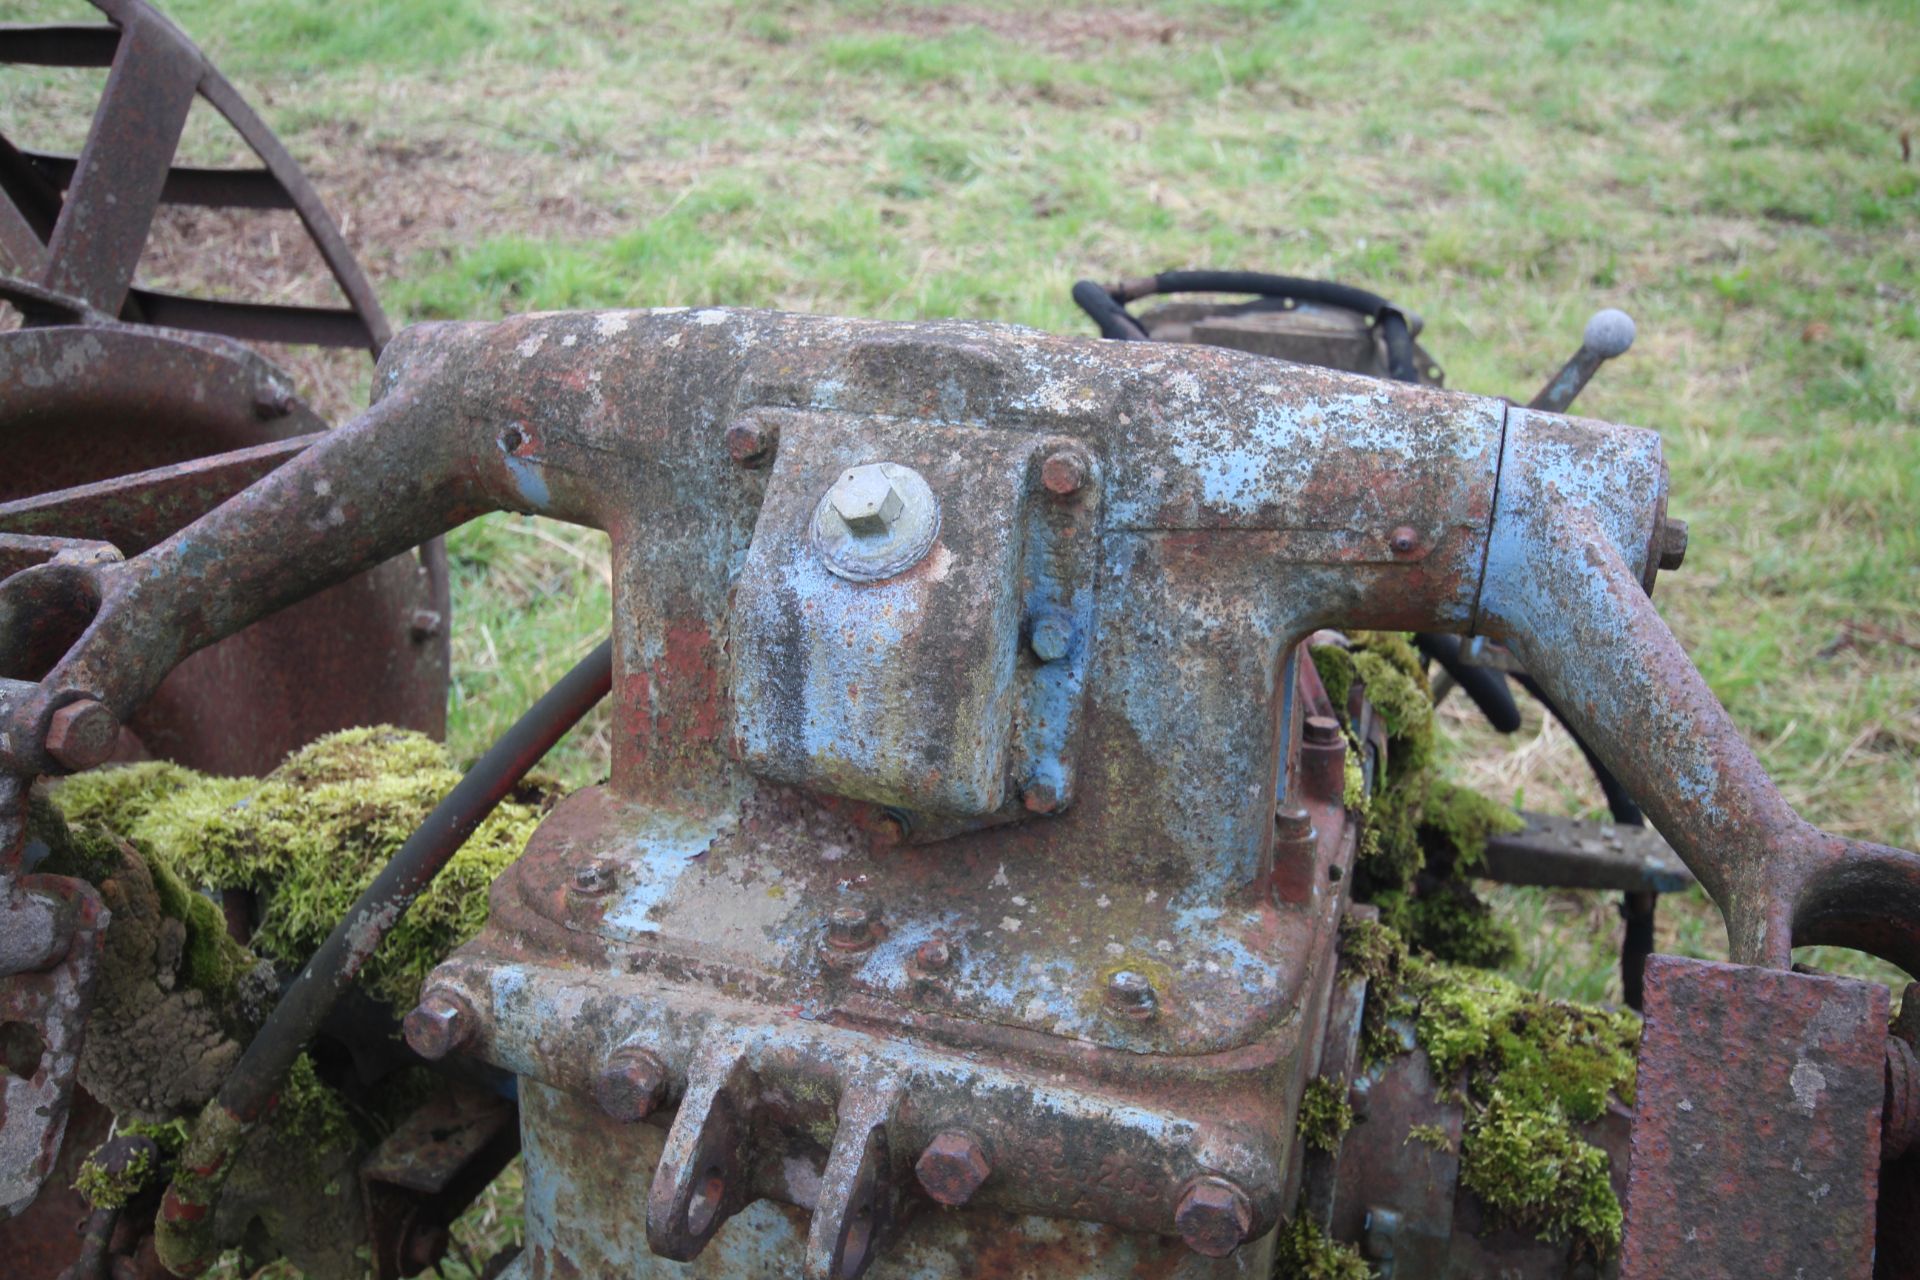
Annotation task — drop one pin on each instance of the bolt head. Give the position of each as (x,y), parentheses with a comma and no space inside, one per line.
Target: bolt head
(952,1167)
(592,880)
(933,955)
(749,441)
(1673,543)
(441,1023)
(1324,730)
(1403,540)
(1131,995)
(631,1085)
(866,499)
(1064,474)
(850,928)
(1214,1217)
(82,734)
(1052,636)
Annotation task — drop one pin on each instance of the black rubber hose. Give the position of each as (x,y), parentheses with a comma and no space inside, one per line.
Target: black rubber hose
(1487,687)
(1107,312)
(1324,292)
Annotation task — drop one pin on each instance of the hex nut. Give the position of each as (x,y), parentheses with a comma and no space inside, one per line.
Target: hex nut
(1214,1216)
(631,1085)
(1064,473)
(850,928)
(1323,730)
(82,734)
(932,956)
(953,1167)
(441,1023)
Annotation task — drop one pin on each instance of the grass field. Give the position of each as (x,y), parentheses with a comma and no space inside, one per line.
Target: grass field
(1739,176)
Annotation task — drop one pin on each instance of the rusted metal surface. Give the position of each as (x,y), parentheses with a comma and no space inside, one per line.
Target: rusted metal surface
(428,1170)
(1579,854)
(1756,1142)
(1041,839)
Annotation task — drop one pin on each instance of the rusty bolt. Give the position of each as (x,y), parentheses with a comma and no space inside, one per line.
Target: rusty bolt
(1214,1216)
(1403,540)
(592,880)
(82,734)
(1040,797)
(1052,636)
(1673,543)
(750,440)
(952,1167)
(424,624)
(933,955)
(866,499)
(1131,995)
(439,1024)
(1064,473)
(1321,730)
(631,1085)
(850,928)
(1292,823)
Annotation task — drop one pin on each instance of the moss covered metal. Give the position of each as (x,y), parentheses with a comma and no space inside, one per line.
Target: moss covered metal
(1302,1251)
(308,839)
(1421,832)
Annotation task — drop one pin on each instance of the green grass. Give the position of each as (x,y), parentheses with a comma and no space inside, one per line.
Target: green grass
(1732,174)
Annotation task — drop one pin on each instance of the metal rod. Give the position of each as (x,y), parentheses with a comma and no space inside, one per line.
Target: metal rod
(250,1088)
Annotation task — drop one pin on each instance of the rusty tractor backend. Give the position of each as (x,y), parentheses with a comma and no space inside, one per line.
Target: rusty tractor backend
(1001,731)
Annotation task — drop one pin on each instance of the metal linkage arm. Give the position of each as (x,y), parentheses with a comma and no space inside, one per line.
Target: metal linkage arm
(1562,594)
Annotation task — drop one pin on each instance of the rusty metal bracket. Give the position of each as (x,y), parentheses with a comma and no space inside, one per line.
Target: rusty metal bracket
(1756,1136)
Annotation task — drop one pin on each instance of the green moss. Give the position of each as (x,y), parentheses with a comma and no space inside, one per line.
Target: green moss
(1302,1251)
(1536,1174)
(1431,1135)
(310,1112)
(1372,950)
(102,1188)
(1324,1114)
(168,1135)
(309,838)
(1419,832)
(1531,1070)
(1449,921)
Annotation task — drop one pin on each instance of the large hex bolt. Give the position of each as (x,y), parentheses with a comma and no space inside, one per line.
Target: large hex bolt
(631,1085)
(952,1167)
(1214,1216)
(442,1022)
(82,734)
(866,500)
